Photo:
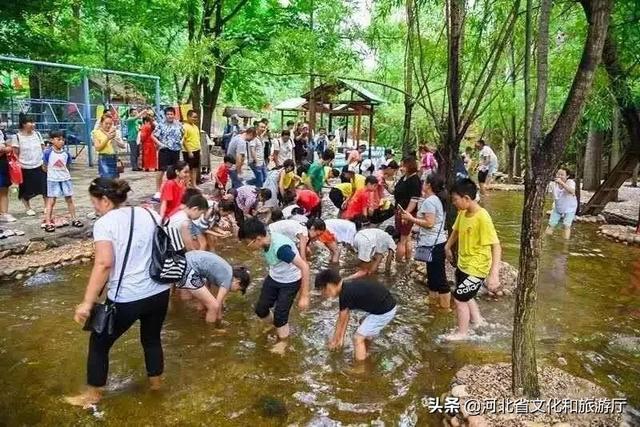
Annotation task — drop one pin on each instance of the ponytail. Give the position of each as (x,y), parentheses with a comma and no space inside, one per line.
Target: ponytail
(172,171)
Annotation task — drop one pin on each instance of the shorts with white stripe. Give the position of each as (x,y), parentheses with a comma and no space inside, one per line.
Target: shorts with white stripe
(466,286)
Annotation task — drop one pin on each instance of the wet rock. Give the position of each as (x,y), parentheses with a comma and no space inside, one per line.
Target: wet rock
(39,270)
(454,422)
(4,254)
(19,276)
(85,260)
(37,246)
(562,361)
(272,407)
(8,273)
(459,391)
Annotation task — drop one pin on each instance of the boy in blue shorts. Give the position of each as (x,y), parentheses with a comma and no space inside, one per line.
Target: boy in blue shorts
(479,255)
(365,295)
(56,165)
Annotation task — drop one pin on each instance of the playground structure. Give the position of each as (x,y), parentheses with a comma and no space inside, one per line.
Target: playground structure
(72,117)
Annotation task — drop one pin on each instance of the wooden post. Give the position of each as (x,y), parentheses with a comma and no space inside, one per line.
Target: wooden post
(346,129)
(330,125)
(370,129)
(359,126)
(282,124)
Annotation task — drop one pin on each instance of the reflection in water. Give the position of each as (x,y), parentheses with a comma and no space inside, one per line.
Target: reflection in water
(587,305)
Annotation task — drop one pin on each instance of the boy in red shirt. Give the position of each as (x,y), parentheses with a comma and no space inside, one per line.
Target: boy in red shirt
(221,176)
(359,205)
(306,199)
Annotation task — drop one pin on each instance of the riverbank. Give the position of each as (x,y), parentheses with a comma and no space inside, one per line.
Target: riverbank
(484,393)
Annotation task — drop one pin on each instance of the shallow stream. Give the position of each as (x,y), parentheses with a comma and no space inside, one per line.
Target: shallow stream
(588,314)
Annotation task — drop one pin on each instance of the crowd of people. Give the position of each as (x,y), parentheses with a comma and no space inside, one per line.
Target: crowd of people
(277,211)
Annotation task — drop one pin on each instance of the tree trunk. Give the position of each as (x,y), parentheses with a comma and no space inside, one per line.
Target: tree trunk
(210,98)
(616,149)
(451,143)
(545,156)
(511,160)
(407,145)
(593,159)
(518,161)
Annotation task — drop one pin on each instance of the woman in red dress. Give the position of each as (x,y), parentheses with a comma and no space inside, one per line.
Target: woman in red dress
(149,153)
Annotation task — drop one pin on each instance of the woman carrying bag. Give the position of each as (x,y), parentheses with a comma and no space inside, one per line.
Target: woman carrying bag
(123,245)
(431,218)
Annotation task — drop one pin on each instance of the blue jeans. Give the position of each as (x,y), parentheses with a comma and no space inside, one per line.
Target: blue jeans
(236,182)
(133,154)
(108,166)
(260,173)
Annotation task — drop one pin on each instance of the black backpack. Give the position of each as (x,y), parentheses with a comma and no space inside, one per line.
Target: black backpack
(168,262)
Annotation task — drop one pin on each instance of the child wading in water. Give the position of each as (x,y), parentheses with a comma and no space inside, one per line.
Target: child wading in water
(479,255)
(56,164)
(565,203)
(288,276)
(366,295)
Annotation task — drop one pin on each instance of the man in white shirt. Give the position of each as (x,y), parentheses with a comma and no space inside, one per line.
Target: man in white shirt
(283,148)
(487,166)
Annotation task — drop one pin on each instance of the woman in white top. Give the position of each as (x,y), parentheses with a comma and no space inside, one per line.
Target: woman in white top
(138,296)
(27,145)
(565,203)
(431,218)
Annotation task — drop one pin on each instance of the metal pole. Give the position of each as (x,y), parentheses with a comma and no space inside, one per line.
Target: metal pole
(87,117)
(158,97)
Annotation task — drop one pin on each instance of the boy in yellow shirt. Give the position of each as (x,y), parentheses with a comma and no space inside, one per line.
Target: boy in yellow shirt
(479,255)
(191,146)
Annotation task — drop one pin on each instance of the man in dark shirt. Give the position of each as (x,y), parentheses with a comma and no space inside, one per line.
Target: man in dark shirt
(366,295)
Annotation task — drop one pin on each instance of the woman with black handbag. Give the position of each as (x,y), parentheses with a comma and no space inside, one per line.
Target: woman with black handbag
(431,218)
(123,245)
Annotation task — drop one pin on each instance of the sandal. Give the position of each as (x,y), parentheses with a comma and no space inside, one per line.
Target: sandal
(49,228)
(77,223)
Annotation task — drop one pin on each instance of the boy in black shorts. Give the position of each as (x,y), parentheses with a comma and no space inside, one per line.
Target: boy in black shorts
(288,276)
(479,255)
(364,294)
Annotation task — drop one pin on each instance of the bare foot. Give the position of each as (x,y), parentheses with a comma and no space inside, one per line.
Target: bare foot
(155,383)
(279,347)
(84,400)
(456,337)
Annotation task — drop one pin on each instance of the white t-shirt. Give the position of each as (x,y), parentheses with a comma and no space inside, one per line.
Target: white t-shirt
(563,201)
(114,227)
(258,146)
(371,241)
(287,211)
(30,149)
(57,163)
(290,228)
(174,228)
(284,149)
(343,230)
(493,159)
(438,233)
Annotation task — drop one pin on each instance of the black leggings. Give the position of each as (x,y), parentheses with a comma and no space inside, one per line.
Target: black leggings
(278,295)
(379,216)
(436,273)
(151,312)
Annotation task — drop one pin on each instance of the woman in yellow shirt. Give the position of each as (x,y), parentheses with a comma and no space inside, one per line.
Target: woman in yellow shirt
(104,138)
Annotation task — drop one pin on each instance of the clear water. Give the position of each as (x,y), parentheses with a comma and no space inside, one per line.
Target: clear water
(589,313)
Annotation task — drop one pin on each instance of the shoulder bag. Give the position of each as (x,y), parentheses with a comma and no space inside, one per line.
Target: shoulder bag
(102,317)
(425,253)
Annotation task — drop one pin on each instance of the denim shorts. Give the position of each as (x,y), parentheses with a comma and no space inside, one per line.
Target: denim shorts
(373,323)
(566,218)
(59,189)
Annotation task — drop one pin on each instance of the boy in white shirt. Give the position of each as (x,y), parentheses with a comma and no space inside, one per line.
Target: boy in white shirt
(56,163)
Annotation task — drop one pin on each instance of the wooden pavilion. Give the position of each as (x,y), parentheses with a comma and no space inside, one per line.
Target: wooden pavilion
(338,98)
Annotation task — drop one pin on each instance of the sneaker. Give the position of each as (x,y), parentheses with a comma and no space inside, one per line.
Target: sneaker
(156,197)
(31,212)
(7,218)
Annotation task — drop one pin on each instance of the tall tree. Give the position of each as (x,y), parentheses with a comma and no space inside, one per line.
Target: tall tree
(407,143)
(546,151)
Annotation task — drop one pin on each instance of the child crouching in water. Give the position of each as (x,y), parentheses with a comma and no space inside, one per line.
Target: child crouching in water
(479,255)
(364,294)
